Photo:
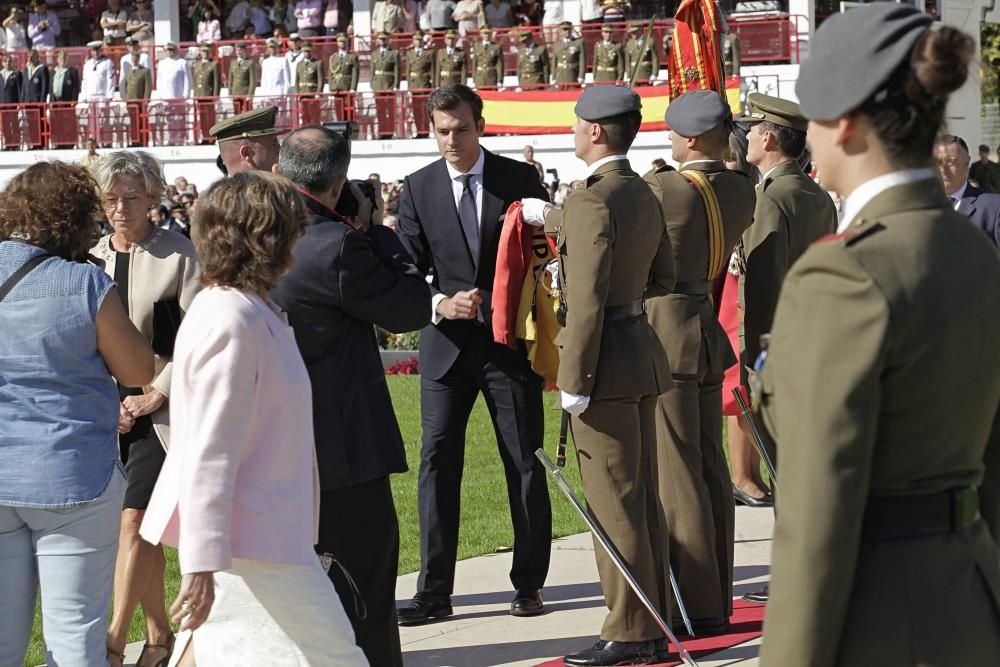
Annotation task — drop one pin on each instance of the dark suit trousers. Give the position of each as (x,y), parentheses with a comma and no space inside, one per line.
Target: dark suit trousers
(615,443)
(514,400)
(358,527)
(696,494)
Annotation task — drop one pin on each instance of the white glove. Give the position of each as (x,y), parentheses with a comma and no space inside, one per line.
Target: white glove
(573,404)
(552,268)
(533,211)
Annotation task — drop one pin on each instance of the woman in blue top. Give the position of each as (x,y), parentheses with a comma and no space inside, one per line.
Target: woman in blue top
(61,484)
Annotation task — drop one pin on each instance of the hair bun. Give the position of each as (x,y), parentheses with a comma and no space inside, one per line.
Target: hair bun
(941,60)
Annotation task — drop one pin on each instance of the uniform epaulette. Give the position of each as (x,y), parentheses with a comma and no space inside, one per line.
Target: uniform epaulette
(864,233)
(666,167)
(835,237)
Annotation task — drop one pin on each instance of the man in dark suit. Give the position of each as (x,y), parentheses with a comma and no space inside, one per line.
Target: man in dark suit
(951,154)
(450,214)
(345,279)
(65,81)
(35,80)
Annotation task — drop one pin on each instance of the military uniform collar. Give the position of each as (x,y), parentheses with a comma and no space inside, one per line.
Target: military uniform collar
(898,191)
(786,168)
(703,165)
(606,164)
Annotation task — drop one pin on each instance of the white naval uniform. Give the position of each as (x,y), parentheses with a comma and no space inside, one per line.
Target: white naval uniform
(98,79)
(173,81)
(275,79)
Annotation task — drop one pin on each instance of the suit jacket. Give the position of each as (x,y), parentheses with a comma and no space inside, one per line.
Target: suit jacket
(430,228)
(687,324)
(881,382)
(615,250)
(791,212)
(10,91)
(71,86)
(35,86)
(341,283)
(241,480)
(983,208)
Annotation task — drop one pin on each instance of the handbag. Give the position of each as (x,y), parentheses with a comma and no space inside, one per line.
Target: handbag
(24,270)
(166,322)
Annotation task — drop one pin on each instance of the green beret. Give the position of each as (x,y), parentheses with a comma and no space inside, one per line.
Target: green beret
(247,125)
(696,112)
(775,110)
(606,101)
(868,45)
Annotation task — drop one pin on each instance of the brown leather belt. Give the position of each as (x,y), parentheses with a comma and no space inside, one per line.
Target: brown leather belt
(910,517)
(626,311)
(693,287)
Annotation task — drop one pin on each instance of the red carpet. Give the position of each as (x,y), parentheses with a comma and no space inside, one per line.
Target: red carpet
(746,624)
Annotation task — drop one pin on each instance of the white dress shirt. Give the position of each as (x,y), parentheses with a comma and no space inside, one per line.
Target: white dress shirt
(98,81)
(603,161)
(868,190)
(956,197)
(476,185)
(274,76)
(172,79)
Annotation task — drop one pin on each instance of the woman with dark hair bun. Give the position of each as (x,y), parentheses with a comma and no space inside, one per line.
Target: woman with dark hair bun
(883,374)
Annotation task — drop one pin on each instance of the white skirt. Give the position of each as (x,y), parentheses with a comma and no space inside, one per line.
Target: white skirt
(273,615)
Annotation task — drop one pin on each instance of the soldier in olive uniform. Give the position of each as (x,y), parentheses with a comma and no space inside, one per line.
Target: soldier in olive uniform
(242,79)
(613,251)
(487,61)
(450,62)
(731,54)
(343,71)
(881,374)
(567,56)
(609,58)
(308,84)
(419,81)
(138,88)
(791,212)
(649,64)
(706,207)
(385,81)
(206,76)
(532,62)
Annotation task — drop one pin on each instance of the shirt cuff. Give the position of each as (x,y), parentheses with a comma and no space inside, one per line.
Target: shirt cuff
(435,300)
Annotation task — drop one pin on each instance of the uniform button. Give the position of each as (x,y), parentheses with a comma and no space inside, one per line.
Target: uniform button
(590,375)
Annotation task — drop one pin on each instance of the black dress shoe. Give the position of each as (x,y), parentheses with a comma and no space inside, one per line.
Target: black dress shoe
(744,498)
(605,653)
(423,608)
(759,596)
(527,603)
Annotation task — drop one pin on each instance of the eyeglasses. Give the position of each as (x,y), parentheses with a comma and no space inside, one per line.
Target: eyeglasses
(111,203)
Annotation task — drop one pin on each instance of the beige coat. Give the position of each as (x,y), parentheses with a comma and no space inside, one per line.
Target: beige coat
(163,267)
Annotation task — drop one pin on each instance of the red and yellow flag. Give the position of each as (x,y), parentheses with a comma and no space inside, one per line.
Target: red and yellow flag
(695,59)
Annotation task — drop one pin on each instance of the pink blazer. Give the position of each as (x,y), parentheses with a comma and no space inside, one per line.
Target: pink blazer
(240,476)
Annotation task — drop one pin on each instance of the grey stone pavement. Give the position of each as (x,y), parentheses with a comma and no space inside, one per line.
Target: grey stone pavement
(483,634)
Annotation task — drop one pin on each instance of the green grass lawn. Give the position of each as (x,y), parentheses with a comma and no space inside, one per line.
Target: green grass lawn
(485,524)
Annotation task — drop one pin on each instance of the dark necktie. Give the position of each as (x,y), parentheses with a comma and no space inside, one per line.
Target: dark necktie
(470,221)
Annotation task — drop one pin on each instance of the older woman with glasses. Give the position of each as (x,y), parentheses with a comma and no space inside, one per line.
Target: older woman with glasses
(157,276)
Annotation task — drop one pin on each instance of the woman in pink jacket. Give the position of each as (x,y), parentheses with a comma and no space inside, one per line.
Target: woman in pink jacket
(238,493)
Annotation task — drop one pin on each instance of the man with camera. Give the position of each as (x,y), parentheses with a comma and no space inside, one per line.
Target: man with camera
(345,278)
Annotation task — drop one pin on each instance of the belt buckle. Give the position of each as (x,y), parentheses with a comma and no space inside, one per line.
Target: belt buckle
(964,508)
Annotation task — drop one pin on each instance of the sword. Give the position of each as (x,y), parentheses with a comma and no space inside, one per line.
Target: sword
(642,53)
(616,557)
(757,440)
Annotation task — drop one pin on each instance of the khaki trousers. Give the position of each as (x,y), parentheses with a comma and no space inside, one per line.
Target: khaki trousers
(615,442)
(696,493)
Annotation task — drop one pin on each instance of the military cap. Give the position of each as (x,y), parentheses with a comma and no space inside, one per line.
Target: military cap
(342,37)
(248,125)
(606,101)
(868,44)
(383,35)
(96,44)
(635,26)
(450,33)
(606,28)
(417,34)
(307,46)
(566,25)
(241,45)
(696,112)
(486,30)
(129,41)
(207,46)
(524,34)
(271,42)
(775,110)
(295,37)
(170,46)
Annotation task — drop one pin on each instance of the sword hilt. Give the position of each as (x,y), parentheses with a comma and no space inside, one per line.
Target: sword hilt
(561,447)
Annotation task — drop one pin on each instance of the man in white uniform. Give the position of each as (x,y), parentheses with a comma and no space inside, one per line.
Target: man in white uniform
(173,84)
(274,75)
(98,75)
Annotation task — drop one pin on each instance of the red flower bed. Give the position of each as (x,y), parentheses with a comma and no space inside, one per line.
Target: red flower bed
(405,367)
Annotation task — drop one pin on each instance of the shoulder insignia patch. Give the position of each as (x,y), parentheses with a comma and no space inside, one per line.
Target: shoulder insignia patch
(864,233)
(835,237)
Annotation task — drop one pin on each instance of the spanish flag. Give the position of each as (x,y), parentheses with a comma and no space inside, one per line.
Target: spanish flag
(551,111)
(695,59)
